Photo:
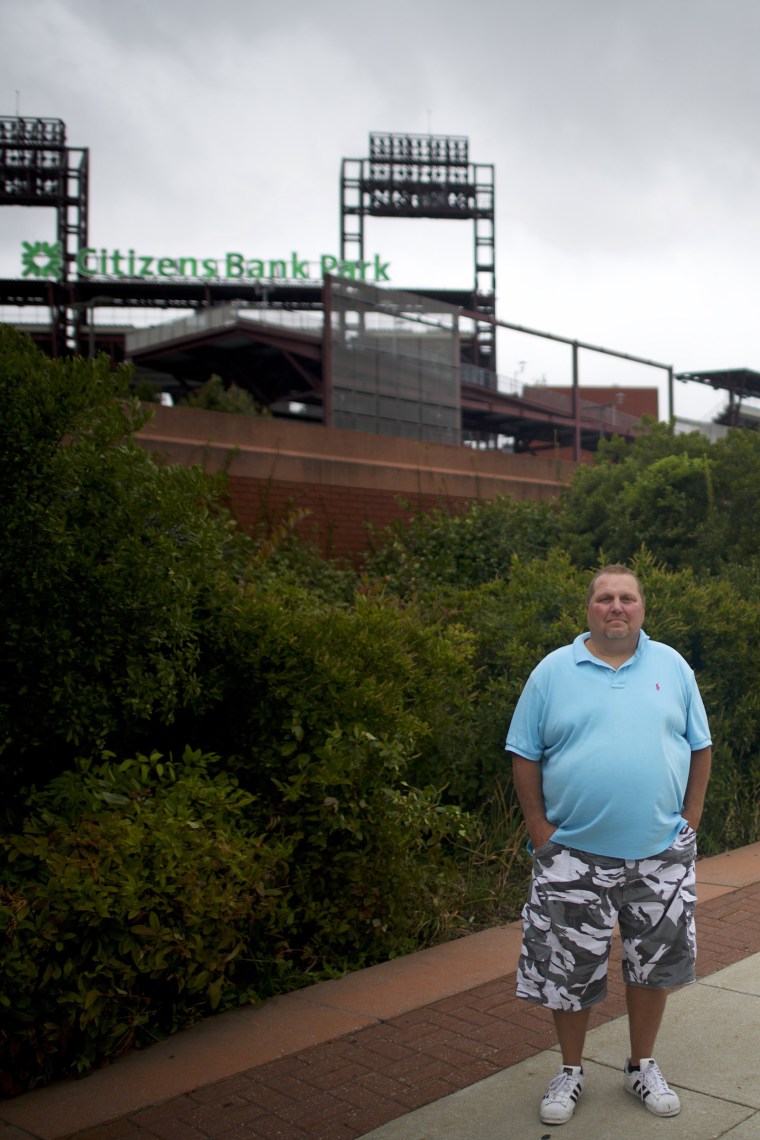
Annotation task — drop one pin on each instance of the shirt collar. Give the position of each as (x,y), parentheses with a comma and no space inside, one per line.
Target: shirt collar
(581,653)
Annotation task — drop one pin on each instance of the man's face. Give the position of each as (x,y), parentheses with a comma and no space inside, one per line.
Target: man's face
(616,611)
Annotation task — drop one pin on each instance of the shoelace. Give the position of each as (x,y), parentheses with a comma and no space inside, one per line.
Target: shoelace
(563,1085)
(652,1080)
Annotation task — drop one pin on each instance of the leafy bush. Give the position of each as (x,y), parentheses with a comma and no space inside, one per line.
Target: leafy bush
(216,396)
(689,502)
(464,549)
(280,555)
(371,854)
(143,895)
(107,566)
(510,623)
(493,869)
(324,712)
(736,461)
(129,905)
(327,711)
(716,629)
(286,661)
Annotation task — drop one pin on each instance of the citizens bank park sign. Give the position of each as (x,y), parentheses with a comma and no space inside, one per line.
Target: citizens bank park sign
(43,259)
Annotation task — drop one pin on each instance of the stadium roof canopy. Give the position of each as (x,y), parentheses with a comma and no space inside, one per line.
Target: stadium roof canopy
(736,381)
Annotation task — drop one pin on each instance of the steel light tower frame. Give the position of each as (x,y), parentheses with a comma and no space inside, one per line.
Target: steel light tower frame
(426,176)
(37,168)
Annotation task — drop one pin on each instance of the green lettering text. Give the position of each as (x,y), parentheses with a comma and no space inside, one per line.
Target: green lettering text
(299,269)
(381,269)
(234,265)
(81,262)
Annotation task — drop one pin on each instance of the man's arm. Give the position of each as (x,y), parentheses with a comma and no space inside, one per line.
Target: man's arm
(696,787)
(526,775)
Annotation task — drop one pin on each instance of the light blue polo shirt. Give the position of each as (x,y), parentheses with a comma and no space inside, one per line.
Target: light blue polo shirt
(615,745)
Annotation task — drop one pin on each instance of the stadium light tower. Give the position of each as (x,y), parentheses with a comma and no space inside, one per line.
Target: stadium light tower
(426,176)
(37,168)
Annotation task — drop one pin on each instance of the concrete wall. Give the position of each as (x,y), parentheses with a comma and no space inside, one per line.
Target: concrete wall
(344,479)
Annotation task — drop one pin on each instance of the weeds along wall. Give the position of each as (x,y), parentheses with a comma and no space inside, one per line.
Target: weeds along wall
(341,480)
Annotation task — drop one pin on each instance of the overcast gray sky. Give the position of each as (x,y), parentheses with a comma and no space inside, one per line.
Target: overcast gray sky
(624,134)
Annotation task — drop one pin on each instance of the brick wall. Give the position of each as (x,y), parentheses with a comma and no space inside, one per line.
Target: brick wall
(344,479)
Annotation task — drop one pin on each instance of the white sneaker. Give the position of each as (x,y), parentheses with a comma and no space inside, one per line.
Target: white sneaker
(562,1095)
(649,1085)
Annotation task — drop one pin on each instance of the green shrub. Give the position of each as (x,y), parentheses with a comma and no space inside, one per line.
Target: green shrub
(216,396)
(281,555)
(493,868)
(143,895)
(324,713)
(511,623)
(465,549)
(716,629)
(690,502)
(371,857)
(287,662)
(108,568)
(130,905)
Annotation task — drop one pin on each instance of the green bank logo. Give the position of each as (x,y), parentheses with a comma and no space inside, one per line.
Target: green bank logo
(38,259)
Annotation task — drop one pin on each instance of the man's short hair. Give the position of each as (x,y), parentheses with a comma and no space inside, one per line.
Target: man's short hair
(613,568)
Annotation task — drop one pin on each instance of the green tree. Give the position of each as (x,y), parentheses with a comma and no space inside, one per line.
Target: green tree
(736,479)
(107,561)
(668,508)
(657,492)
(216,396)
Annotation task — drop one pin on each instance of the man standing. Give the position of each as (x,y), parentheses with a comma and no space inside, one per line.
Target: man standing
(611,756)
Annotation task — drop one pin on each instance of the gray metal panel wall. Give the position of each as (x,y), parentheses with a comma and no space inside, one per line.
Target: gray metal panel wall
(395,363)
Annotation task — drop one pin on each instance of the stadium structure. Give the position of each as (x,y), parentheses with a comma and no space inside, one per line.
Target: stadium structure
(343,351)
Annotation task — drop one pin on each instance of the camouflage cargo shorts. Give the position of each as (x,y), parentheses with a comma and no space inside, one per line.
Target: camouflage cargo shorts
(569,918)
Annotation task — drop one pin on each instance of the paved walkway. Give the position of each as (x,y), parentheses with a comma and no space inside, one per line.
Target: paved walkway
(436,1047)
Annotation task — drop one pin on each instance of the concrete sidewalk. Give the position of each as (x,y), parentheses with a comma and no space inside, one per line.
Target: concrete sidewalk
(435,1045)
(709,1047)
